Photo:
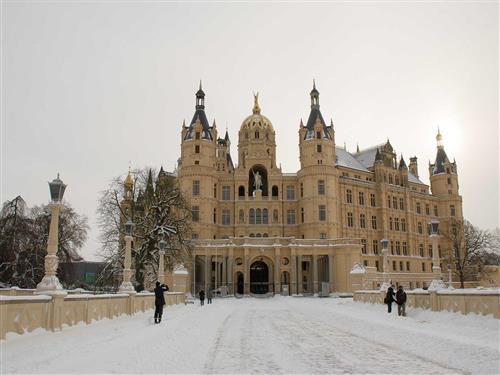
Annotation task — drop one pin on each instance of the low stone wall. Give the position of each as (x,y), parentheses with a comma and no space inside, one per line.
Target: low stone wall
(465,301)
(24,313)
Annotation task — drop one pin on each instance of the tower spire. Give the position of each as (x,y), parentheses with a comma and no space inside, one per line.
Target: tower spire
(439,139)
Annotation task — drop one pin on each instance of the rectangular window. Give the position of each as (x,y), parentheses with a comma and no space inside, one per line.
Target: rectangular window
(290,192)
(322,212)
(396,223)
(215,190)
(418,208)
(421,250)
(398,248)
(349,196)
(419,226)
(374,222)
(375,246)
(365,263)
(226,193)
(215,215)
(401,266)
(322,236)
(301,190)
(401,204)
(436,210)
(226,217)
(361,198)
(427,209)
(195,213)
(392,247)
(362,220)
(429,248)
(405,248)
(318,148)
(423,267)
(377,265)
(196,187)
(302,215)
(403,225)
(394,265)
(390,223)
(408,266)
(363,246)
(395,203)
(321,187)
(290,216)
(388,201)
(197,136)
(197,149)
(350,220)
(452,210)
(372,200)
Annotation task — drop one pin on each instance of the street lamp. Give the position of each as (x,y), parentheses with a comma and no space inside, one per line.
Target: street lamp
(437,282)
(385,264)
(126,285)
(50,283)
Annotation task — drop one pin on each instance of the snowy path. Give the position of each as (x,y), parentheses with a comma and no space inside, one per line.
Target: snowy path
(278,335)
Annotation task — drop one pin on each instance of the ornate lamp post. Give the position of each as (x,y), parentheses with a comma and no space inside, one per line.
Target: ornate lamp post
(50,283)
(437,283)
(126,286)
(161,263)
(385,264)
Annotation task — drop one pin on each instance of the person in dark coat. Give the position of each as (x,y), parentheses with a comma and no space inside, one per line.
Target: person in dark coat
(159,300)
(401,301)
(202,297)
(389,298)
(210,295)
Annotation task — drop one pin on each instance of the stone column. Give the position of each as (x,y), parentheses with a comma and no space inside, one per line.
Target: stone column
(293,274)
(277,273)
(207,272)
(50,283)
(315,273)
(246,272)
(161,267)
(330,272)
(230,262)
(437,283)
(126,286)
(224,270)
(300,284)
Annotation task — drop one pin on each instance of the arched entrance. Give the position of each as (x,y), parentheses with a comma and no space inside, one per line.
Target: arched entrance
(259,278)
(240,283)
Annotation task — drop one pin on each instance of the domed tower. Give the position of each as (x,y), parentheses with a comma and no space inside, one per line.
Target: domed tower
(197,170)
(318,182)
(256,152)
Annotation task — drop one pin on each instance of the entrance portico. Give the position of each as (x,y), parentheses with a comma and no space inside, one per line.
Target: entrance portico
(249,265)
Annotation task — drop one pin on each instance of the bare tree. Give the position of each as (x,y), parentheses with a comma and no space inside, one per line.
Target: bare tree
(23,241)
(151,209)
(469,249)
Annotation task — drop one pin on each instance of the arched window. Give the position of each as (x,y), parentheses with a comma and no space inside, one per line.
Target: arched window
(241,217)
(275,216)
(390,178)
(252,235)
(274,191)
(265,235)
(264,216)
(251,215)
(397,180)
(258,216)
(258,235)
(241,191)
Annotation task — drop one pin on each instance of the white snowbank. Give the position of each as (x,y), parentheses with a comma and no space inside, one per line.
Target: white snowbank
(40,297)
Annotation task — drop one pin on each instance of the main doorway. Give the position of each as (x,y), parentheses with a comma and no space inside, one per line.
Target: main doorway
(259,278)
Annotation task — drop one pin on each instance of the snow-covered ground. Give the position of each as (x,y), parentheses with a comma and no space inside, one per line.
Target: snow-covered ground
(276,335)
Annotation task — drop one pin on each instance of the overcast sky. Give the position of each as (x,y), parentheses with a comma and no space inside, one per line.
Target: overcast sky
(88,87)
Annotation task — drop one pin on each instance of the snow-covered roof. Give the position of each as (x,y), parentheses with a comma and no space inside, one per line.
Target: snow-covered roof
(414,179)
(345,159)
(367,157)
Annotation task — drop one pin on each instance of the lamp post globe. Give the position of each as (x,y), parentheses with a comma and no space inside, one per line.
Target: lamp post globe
(57,188)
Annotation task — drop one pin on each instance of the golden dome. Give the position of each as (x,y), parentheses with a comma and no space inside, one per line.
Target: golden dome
(256,121)
(129,182)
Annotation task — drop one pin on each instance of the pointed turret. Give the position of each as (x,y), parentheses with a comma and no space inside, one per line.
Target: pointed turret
(441,157)
(314,116)
(402,163)
(199,116)
(443,173)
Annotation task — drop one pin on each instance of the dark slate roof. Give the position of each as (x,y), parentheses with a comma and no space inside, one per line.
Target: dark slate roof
(315,113)
(199,113)
(229,161)
(441,159)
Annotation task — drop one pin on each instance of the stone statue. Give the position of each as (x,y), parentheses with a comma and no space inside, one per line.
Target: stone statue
(257,180)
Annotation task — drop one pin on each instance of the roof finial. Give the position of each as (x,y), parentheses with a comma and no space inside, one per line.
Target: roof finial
(439,138)
(200,85)
(314,83)
(256,108)
(357,147)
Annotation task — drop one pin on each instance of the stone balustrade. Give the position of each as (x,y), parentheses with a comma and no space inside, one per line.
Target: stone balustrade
(24,312)
(465,301)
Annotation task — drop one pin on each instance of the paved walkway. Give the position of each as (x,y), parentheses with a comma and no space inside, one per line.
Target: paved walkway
(278,335)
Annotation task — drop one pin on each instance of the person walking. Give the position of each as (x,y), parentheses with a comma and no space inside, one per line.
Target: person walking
(210,295)
(159,300)
(401,301)
(389,298)
(202,297)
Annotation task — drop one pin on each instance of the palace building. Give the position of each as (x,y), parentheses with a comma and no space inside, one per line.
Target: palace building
(257,230)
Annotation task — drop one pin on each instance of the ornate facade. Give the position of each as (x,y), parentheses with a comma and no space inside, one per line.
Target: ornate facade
(259,230)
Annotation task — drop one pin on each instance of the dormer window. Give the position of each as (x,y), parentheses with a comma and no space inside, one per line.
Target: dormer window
(318,148)
(318,135)
(197,136)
